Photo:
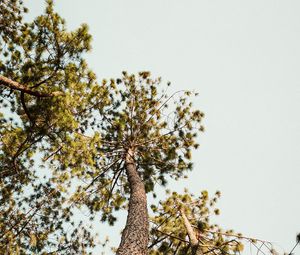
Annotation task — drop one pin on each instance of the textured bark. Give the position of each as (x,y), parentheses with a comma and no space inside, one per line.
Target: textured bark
(4,81)
(196,249)
(135,236)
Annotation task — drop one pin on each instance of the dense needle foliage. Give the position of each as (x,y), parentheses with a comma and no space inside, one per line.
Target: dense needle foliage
(45,84)
(170,234)
(64,139)
(161,129)
(53,112)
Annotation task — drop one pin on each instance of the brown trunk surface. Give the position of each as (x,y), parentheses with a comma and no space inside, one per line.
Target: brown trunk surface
(135,236)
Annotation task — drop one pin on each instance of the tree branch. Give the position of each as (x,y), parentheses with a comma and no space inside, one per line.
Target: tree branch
(189,228)
(4,81)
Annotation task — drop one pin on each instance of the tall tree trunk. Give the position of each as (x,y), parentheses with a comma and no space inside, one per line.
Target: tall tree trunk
(196,249)
(135,236)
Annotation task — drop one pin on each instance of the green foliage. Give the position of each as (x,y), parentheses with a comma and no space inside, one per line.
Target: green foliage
(44,57)
(136,113)
(11,15)
(81,133)
(169,234)
(65,152)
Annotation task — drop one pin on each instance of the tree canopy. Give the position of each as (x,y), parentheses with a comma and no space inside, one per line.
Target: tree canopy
(56,113)
(43,79)
(70,142)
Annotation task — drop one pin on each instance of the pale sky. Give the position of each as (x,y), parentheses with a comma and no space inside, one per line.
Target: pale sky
(243,57)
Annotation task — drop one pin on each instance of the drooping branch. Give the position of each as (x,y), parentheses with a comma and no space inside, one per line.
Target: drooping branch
(4,81)
(250,239)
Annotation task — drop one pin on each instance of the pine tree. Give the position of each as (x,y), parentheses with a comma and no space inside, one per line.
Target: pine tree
(69,143)
(45,84)
(113,136)
(181,225)
(145,135)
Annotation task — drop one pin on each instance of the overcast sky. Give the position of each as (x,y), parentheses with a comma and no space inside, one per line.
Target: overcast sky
(243,58)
